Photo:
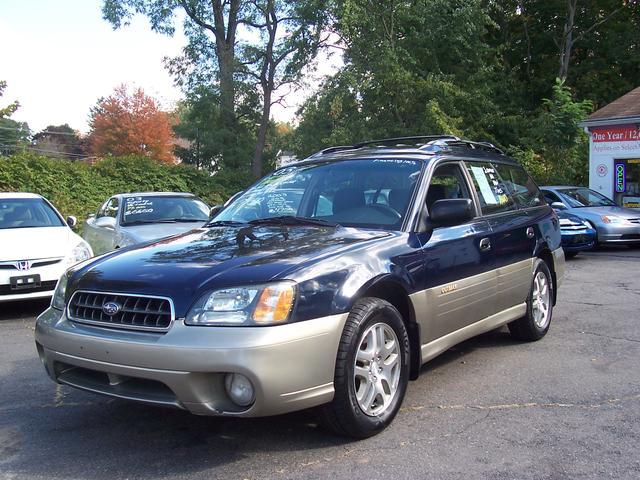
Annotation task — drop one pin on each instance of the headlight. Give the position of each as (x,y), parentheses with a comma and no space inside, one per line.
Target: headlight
(81,252)
(57,301)
(268,304)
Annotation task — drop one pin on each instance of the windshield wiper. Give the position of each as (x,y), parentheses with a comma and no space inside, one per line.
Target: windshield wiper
(225,223)
(292,220)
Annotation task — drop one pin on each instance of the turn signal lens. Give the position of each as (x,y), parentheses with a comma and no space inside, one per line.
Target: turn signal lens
(274,304)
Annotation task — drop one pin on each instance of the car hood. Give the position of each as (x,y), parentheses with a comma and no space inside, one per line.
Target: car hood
(145,233)
(33,243)
(184,266)
(591,212)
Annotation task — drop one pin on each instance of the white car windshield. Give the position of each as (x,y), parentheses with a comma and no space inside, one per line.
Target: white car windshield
(584,197)
(166,209)
(373,193)
(27,213)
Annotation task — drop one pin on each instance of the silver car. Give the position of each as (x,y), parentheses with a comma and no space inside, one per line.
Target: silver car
(613,224)
(129,218)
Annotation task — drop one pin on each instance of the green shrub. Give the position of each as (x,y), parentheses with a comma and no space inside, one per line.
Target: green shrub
(77,188)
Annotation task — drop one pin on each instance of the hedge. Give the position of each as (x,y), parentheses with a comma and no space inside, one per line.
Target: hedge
(77,188)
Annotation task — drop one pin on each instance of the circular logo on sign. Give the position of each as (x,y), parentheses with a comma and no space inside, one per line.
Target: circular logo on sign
(111,308)
(601,170)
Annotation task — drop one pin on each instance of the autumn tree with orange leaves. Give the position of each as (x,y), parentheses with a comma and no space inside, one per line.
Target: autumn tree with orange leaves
(124,124)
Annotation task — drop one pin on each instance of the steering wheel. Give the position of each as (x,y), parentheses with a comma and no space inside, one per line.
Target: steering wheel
(386,209)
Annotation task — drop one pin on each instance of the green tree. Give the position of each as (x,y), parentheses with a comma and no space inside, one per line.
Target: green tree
(278,39)
(6,112)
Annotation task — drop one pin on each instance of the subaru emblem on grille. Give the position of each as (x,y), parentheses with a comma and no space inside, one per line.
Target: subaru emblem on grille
(111,308)
(24,265)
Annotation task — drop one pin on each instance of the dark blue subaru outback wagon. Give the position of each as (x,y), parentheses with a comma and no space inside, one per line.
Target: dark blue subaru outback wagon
(326,284)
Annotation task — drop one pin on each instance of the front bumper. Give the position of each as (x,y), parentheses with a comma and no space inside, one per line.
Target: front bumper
(290,366)
(619,233)
(49,276)
(578,240)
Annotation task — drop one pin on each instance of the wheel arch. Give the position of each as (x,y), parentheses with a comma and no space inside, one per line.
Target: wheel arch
(393,291)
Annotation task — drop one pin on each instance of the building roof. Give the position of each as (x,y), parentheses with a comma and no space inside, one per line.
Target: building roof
(625,109)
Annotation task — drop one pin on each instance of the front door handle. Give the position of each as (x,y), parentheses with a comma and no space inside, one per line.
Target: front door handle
(485,245)
(530,232)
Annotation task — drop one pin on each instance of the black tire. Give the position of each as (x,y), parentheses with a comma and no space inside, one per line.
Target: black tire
(570,254)
(343,415)
(526,328)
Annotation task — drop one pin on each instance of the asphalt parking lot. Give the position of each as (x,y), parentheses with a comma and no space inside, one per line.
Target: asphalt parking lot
(565,407)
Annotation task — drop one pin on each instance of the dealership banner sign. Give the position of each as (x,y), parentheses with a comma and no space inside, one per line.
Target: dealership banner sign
(616,133)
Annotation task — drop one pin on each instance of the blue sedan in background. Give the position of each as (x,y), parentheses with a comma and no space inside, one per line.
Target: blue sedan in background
(577,235)
(614,225)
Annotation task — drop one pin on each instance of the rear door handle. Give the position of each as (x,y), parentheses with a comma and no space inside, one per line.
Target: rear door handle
(485,245)
(530,232)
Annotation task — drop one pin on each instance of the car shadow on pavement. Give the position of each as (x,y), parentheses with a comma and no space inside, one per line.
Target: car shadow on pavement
(79,435)
(497,338)
(23,309)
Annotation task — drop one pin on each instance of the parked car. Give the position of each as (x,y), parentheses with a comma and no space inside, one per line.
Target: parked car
(262,312)
(36,246)
(613,224)
(130,218)
(577,235)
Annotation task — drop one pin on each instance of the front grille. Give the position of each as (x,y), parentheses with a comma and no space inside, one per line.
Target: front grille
(42,262)
(634,220)
(135,312)
(47,286)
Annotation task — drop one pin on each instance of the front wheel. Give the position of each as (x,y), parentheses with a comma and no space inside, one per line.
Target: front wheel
(372,370)
(535,324)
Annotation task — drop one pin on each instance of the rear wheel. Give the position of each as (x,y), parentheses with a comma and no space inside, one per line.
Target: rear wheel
(535,324)
(372,370)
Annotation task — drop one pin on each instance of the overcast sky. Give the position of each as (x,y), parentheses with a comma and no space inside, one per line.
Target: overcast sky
(58,57)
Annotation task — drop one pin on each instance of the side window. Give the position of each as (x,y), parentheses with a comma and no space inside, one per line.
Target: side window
(492,191)
(550,197)
(111,208)
(520,185)
(102,209)
(447,182)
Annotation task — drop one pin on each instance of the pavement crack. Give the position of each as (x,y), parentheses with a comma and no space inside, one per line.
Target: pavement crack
(511,406)
(611,337)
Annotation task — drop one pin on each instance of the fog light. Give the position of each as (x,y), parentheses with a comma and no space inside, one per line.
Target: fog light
(239,388)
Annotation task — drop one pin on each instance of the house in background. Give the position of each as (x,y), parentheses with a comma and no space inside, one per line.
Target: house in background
(614,149)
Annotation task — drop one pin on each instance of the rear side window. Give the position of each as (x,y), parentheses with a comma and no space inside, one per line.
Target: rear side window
(520,185)
(491,189)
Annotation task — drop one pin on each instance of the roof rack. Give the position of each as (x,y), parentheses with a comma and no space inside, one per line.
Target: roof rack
(433,143)
(394,141)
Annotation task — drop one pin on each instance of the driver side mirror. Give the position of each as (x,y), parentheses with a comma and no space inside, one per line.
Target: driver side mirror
(558,206)
(452,211)
(72,221)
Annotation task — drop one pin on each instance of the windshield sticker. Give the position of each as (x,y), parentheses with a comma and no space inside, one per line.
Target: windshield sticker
(137,206)
(279,203)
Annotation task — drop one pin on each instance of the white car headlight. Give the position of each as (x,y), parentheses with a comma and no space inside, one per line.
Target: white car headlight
(268,304)
(58,299)
(81,252)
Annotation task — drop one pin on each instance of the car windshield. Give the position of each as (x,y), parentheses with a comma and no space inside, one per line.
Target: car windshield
(583,197)
(164,209)
(370,193)
(27,213)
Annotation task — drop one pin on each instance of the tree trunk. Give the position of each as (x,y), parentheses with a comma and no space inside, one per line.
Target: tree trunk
(567,40)
(256,164)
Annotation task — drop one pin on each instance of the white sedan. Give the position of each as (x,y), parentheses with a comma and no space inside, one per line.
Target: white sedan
(36,246)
